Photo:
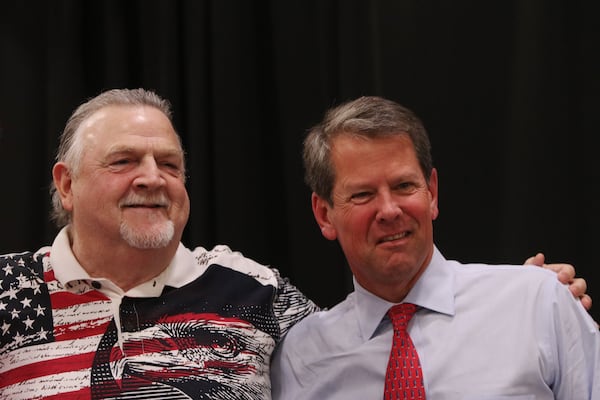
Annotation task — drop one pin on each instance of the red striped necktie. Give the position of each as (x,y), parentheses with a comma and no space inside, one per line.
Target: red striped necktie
(403,378)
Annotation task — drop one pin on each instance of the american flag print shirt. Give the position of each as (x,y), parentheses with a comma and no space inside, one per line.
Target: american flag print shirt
(211,338)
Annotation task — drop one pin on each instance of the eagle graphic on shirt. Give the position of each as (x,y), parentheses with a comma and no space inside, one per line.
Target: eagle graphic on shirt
(209,339)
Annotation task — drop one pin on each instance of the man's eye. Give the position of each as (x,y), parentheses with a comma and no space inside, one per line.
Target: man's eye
(171,166)
(360,197)
(121,162)
(404,185)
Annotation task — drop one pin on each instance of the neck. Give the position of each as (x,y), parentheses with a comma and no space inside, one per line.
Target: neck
(125,266)
(394,287)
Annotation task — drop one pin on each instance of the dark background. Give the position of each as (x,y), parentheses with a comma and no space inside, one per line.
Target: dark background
(508,90)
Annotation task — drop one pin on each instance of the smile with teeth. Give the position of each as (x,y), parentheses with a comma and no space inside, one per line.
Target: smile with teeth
(394,237)
(145,203)
(135,201)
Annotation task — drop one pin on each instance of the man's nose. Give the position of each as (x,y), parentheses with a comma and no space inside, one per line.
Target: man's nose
(149,174)
(388,207)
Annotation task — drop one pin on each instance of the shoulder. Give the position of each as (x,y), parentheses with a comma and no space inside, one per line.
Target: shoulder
(26,262)
(289,305)
(330,324)
(225,257)
(525,275)
(26,256)
(315,340)
(531,291)
(23,272)
(490,276)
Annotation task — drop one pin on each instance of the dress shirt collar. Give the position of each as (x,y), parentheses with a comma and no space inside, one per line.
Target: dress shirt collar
(434,291)
(71,274)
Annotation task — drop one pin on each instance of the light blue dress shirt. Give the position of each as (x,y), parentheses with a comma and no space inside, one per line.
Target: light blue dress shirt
(482,332)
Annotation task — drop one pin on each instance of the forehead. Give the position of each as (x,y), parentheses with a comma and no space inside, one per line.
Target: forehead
(360,149)
(359,159)
(114,125)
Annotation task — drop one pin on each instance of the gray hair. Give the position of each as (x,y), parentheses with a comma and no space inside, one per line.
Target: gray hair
(70,148)
(368,117)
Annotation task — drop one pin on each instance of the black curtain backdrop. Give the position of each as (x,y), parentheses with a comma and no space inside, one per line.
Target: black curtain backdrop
(508,90)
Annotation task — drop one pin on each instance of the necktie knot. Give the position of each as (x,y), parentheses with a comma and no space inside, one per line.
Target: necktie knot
(400,314)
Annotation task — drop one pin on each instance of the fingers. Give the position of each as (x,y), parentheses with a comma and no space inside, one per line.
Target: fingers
(565,272)
(586,302)
(538,260)
(566,275)
(578,287)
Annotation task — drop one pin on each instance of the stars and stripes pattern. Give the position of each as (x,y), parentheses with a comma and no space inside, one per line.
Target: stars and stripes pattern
(211,338)
(27,319)
(404,378)
(44,339)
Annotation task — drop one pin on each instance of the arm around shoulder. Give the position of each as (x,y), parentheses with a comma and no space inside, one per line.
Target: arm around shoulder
(290,304)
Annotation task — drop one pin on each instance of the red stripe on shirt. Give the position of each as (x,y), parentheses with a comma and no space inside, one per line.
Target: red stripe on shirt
(42,368)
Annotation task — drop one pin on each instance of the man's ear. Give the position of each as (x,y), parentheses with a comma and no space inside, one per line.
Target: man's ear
(61,176)
(321,211)
(433,189)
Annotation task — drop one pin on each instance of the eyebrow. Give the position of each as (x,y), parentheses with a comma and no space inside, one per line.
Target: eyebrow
(169,151)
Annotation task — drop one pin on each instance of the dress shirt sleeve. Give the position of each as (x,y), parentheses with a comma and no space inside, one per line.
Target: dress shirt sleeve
(576,356)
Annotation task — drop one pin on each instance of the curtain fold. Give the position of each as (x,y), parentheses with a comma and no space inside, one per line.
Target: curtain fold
(508,92)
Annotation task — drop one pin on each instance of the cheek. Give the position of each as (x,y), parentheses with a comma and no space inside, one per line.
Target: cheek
(185,207)
(179,195)
(180,200)
(420,209)
(353,226)
(102,190)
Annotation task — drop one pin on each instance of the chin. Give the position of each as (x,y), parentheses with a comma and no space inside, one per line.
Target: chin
(155,237)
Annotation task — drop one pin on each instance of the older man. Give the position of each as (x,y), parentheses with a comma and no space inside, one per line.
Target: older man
(117,307)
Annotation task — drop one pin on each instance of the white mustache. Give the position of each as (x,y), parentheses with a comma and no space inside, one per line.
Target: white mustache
(155,200)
